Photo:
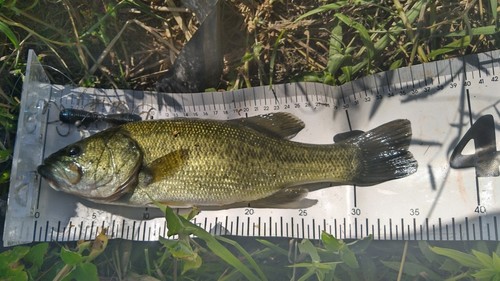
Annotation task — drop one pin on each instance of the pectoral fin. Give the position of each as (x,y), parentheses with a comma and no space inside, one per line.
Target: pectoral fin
(163,167)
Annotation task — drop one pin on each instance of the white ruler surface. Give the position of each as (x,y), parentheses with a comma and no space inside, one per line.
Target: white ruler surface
(453,106)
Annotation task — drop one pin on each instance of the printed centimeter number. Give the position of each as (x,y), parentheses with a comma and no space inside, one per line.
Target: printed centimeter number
(339,103)
(485,159)
(335,103)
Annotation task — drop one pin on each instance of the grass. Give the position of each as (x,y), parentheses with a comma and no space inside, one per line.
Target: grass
(88,43)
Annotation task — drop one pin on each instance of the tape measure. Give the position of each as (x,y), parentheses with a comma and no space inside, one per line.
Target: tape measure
(452,104)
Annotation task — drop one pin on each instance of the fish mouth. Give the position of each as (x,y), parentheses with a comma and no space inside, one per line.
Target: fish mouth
(46,172)
(60,176)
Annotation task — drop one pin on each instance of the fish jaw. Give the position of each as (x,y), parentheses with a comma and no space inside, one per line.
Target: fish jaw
(60,176)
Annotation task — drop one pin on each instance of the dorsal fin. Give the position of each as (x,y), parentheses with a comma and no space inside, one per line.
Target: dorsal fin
(280,125)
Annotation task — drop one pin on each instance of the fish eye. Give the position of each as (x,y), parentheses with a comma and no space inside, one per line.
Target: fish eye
(74,150)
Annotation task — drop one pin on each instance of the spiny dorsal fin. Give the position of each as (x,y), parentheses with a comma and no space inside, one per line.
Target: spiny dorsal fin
(280,125)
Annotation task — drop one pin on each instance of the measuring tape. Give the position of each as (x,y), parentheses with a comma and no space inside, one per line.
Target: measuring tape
(453,106)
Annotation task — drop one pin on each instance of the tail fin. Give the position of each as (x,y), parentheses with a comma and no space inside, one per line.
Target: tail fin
(384,153)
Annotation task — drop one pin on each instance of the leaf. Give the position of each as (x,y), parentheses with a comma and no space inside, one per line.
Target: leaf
(324,8)
(363,33)
(244,253)
(317,265)
(306,247)
(70,258)
(192,264)
(225,254)
(349,258)
(483,258)
(347,73)
(413,269)
(13,255)
(396,64)
(494,11)
(174,223)
(331,243)
(480,30)
(496,260)
(487,274)
(273,247)
(453,46)
(463,259)
(427,253)
(336,40)
(359,246)
(84,272)
(36,257)
(177,224)
(450,266)
(98,245)
(180,249)
(336,57)
(10,266)
(14,275)
(8,32)
(335,61)
(307,275)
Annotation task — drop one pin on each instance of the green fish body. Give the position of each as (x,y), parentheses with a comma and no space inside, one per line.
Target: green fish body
(195,162)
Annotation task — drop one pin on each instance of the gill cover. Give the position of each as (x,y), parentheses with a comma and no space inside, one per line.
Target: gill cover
(101,167)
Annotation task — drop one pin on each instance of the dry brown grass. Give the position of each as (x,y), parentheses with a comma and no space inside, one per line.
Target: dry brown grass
(131,44)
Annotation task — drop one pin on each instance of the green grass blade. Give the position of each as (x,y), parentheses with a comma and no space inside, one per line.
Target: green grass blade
(481,30)
(245,254)
(363,33)
(8,32)
(412,269)
(483,258)
(324,8)
(306,247)
(453,46)
(460,257)
(273,56)
(493,11)
(222,252)
(273,247)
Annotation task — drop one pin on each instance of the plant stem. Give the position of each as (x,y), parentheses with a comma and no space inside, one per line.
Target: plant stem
(403,258)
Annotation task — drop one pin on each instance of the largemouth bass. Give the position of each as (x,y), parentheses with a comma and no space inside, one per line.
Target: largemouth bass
(195,162)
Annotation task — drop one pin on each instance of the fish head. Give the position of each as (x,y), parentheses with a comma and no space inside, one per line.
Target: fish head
(102,167)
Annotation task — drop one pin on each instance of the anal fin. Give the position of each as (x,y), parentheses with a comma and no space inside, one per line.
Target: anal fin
(287,198)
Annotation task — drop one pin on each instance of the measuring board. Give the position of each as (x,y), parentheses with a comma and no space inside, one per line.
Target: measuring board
(453,106)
